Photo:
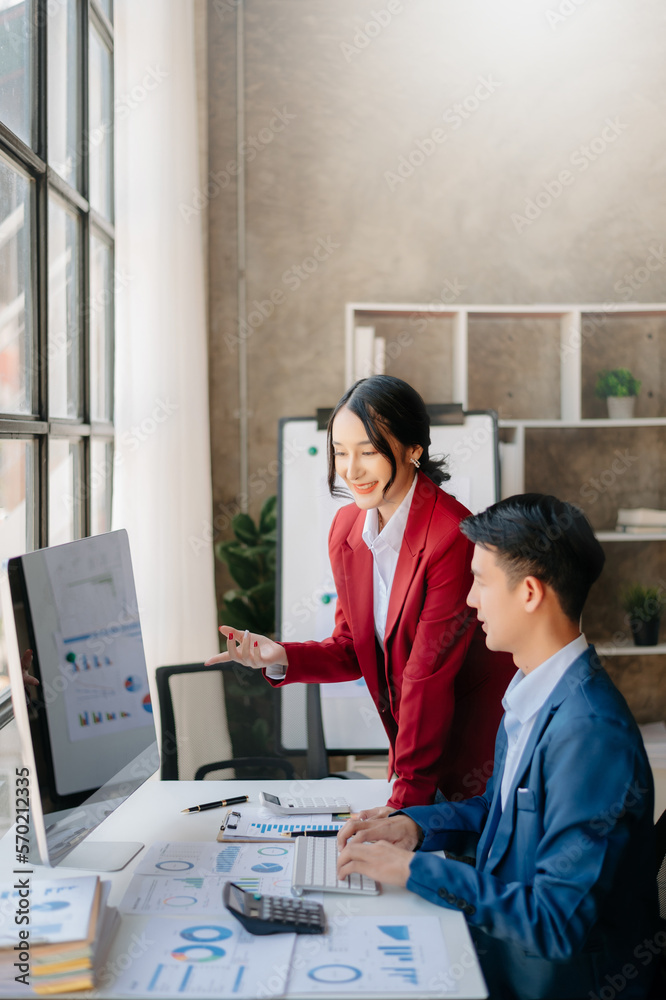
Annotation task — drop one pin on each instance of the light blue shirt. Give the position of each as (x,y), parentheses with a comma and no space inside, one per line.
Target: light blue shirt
(525,697)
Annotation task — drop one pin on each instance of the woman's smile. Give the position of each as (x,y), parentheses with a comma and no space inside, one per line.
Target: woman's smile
(364,487)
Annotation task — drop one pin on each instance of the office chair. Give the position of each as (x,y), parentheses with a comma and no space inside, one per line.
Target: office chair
(215,722)
(660,858)
(658,990)
(316,756)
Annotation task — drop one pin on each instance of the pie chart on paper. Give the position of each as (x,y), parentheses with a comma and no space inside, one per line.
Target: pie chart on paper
(267,868)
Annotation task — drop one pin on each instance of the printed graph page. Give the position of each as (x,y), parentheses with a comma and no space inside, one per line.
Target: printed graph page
(385,955)
(59,910)
(256,867)
(268,826)
(213,957)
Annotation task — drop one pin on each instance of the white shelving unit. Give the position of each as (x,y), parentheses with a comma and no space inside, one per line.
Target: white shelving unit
(577,323)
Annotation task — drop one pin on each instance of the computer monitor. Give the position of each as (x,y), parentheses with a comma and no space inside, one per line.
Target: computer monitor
(87,731)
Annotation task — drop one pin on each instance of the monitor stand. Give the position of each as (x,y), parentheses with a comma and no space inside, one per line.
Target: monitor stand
(98,856)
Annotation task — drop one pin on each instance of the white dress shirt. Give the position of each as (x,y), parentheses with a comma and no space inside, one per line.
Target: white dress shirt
(385,547)
(525,697)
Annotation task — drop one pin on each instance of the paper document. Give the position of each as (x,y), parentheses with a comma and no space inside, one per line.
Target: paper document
(267,826)
(175,897)
(207,958)
(384,955)
(255,867)
(60,910)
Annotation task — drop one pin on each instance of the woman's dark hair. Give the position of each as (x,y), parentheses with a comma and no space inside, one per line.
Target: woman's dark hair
(538,535)
(387,405)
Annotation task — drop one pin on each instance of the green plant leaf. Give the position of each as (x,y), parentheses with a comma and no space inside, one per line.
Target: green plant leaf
(237,613)
(245,565)
(616,382)
(244,529)
(268,516)
(262,599)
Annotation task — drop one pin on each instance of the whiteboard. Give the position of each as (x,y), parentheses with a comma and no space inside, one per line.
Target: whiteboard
(305,599)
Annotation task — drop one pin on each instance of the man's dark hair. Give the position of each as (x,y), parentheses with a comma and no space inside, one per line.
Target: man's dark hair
(541,536)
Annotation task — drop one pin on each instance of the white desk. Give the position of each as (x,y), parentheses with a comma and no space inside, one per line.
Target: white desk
(153,813)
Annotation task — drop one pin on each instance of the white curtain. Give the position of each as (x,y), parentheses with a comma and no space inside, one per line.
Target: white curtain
(162,487)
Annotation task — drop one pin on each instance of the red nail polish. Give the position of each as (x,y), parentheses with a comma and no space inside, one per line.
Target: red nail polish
(256,643)
(231,635)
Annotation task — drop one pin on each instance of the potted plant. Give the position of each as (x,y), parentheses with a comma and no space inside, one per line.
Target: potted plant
(619,388)
(250,557)
(644,606)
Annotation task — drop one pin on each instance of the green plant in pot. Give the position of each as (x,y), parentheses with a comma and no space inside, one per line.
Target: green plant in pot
(644,607)
(250,558)
(619,388)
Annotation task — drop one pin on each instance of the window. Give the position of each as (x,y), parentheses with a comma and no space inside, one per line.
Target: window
(56,273)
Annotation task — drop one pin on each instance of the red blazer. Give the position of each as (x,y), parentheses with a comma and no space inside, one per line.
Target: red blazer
(440,696)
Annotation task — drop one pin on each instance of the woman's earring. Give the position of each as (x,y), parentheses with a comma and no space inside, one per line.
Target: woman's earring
(415,462)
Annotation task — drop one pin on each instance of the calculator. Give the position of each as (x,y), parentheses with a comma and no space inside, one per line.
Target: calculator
(273,914)
(289,805)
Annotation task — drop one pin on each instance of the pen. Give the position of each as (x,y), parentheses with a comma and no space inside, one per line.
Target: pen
(215,805)
(311,833)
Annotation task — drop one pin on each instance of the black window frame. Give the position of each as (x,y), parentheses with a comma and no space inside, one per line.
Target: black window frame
(32,161)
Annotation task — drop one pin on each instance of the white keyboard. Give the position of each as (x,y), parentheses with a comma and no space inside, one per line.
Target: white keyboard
(316,869)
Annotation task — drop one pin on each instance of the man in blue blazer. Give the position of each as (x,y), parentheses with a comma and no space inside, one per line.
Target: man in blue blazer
(561,897)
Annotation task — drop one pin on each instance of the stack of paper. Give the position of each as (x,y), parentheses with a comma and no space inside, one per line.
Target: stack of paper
(641,520)
(53,934)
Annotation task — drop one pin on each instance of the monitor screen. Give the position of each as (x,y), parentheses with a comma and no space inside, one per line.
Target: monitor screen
(90,719)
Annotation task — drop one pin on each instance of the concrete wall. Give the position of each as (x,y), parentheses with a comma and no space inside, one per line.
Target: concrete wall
(407,142)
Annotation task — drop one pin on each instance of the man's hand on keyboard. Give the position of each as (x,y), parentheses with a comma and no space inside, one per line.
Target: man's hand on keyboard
(380,861)
(401,831)
(379,812)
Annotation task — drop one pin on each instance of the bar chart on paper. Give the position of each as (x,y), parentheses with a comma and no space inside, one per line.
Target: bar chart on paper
(368,954)
(213,958)
(189,876)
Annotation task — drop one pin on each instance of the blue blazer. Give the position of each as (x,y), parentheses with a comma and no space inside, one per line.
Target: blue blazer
(562,899)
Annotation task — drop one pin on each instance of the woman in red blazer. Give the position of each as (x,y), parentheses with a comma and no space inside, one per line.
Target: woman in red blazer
(402,574)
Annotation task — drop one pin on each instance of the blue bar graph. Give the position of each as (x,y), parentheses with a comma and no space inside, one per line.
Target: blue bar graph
(225,860)
(236,986)
(156,975)
(402,953)
(183,982)
(408,975)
